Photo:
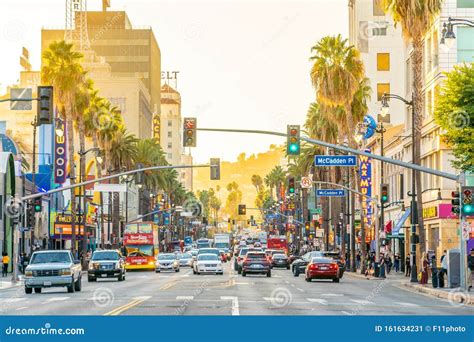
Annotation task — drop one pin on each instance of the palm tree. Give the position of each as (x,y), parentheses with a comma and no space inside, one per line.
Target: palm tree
(62,69)
(415,19)
(257,182)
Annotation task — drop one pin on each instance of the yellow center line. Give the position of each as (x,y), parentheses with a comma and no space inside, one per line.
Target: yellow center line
(127,306)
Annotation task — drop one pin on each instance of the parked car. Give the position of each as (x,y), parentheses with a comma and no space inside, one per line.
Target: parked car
(55,268)
(106,264)
(166,262)
(185,259)
(208,263)
(322,268)
(256,263)
(299,265)
(280,260)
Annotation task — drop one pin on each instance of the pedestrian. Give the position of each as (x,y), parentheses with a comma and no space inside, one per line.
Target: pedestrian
(424,269)
(5,262)
(470,266)
(358,260)
(407,266)
(382,266)
(388,263)
(396,262)
(444,265)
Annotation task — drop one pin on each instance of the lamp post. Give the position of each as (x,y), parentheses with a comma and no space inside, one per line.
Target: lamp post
(82,199)
(414,217)
(448,38)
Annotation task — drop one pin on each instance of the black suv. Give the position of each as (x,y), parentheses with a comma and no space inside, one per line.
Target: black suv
(106,264)
(256,262)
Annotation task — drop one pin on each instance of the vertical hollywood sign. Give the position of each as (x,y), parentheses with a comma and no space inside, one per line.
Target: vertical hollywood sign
(365,171)
(60,159)
(156,127)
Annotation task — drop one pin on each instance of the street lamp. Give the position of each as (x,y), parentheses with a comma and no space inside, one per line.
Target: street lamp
(448,38)
(414,217)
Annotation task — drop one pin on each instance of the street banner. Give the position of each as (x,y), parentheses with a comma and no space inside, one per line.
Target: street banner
(365,172)
(60,152)
(322,160)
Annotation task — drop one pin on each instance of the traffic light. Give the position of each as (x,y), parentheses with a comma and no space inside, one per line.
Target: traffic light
(455,202)
(215,168)
(37,205)
(189,132)
(291,185)
(45,104)
(242,209)
(293,140)
(306,225)
(30,216)
(384,193)
(467,204)
(139,177)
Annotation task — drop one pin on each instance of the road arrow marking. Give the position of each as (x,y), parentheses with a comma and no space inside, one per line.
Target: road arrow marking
(235,304)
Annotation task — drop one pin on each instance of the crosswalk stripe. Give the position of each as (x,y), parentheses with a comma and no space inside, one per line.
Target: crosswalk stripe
(55,299)
(184,297)
(318,300)
(411,305)
(362,301)
(332,294)
(12,300)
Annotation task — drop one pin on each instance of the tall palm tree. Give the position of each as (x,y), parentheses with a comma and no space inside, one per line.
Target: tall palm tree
(61,68)
(257,182)
(415,19)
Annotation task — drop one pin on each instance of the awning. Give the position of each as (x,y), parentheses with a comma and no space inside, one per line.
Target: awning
(388,227)
(401,221)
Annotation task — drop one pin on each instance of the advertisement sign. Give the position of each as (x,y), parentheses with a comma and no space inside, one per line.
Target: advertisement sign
(365,171)
(60,156)
(156,127)
(138,239)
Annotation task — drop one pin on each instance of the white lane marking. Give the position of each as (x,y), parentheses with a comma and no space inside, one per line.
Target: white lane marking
(318,300)
(12,300)
(241,283)
(347,313)
(235,304)
(142,298)
(332,294)
(286,281)
(301,290)
(277,276)
(55,299)
(184,297)
(22,308)
(362,301)
(411,305)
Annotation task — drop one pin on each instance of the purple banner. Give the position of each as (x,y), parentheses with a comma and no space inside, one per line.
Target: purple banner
(60,153)
(365,171)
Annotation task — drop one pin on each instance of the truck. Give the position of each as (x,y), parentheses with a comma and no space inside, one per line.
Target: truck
(278,242)
(222,241)
(263,236)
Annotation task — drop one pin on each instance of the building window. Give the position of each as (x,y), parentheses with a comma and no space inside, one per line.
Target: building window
(170,145)
(170,155)
(170,134)
(383,62)
(382,88)
(378,10)
(170,123)
(379,31)
(465,4)
(465,41)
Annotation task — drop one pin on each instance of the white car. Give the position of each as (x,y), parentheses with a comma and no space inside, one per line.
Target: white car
(207,263)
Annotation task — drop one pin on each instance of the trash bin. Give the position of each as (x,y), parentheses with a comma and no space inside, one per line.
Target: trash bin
(435,277)
(382,271)
(376,269)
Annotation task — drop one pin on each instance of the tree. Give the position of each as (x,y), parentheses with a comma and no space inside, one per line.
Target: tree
(257,182)
(62,69)
(415,19)
(234,198)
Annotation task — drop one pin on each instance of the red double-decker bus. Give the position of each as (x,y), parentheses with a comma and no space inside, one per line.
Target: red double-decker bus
(140,241)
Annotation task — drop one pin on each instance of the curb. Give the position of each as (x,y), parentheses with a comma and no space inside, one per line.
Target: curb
(455,295)
(361,276)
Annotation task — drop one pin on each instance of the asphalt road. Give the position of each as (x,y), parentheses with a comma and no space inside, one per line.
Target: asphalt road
(150,293)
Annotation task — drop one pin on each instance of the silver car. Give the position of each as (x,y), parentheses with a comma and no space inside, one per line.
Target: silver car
(167,262)
(185,259)
(54,268)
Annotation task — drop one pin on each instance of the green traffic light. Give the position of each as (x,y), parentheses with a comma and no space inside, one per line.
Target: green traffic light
(292,190)
(293,148)
(384,198)
(468,209)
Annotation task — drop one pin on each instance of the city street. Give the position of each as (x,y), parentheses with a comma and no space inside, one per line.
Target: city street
(150,293)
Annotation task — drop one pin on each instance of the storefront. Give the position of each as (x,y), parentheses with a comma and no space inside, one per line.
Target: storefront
(7,191)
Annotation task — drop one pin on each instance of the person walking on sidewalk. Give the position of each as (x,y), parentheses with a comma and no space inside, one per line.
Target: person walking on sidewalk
(407,266)
(444,265)
(470,266)
(5,262)
(396,262)
(424,269)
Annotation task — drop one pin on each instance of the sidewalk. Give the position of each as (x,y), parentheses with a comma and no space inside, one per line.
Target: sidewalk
(6,282)
(455,295)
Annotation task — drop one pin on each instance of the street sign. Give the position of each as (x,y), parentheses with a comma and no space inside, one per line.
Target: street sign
(21,93)
(306,183)
(319,233)
(466,229)
(330,192)
(321,160)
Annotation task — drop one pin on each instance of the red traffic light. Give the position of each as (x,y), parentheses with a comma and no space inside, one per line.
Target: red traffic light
(293,131)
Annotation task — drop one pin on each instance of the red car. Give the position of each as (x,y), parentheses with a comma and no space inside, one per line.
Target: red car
(223,256)
(322,268)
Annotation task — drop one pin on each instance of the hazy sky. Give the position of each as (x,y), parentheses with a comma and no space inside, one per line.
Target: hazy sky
(242,63)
